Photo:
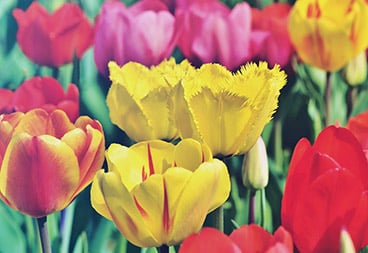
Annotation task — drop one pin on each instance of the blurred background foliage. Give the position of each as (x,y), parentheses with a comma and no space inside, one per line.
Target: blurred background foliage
(79,228)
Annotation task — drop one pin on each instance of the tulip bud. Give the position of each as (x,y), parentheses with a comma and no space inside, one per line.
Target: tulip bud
(255,166)
(355,72)
(346,244)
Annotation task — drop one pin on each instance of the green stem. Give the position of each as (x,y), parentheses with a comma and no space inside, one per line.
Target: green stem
(252,207)
(44,235)
(76,71)
(218,218)
(263,207)
(55,72)
(163,249)
(351,95)
(66,228)
(328,99)
(278,145)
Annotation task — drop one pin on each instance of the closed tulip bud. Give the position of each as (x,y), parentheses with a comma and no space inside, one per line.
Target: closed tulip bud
(346,244)
(255,166)
(355,72)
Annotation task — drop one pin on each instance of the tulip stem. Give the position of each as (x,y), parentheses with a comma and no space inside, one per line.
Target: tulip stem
(44,234)
(328,98)
(218,218)
(252,207)
(351,95)
(163,249)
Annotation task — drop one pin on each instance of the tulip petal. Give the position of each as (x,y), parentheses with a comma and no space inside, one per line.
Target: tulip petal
(45,168)
(350,156)
(251,238)
(188,148)
(124,211)
(97,198)
(149,198)
(331,201)
(209,240)
(207,189)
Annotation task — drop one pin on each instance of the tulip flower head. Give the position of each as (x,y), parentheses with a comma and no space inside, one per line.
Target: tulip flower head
(46,160)
(211,32)
(139,98)
(46,93)
(326,191)
(247,238)
(53,39)
(255,166)
(157,193)
(328,34)
(143,32)
(227,111)
(277,48)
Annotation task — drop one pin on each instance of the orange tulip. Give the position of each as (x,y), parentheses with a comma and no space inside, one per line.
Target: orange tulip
(46,160)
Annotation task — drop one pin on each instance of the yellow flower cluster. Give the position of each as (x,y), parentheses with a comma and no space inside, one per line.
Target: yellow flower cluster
(211,104)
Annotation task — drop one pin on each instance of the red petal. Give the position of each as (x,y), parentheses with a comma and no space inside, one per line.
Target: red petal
(251,238)
(208,240)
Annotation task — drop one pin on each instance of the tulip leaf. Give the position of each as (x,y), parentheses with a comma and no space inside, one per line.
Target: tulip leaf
(81,246)
(12,238)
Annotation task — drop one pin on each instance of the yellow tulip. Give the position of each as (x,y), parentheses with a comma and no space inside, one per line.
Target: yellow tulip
(328,33)
(139,98)
(157,193)
(227,111)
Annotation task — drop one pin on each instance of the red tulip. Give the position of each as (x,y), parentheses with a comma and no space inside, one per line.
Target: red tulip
(277,48)
(46,160)
(144,33)
(53,39)
(358,125)
(211,32)
(326,191)
(46,93)
(246,239)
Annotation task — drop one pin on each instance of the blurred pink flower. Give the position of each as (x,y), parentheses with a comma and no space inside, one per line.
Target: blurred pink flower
(144,33)
(6,101)
(276,48)
(53,39)
(211,32)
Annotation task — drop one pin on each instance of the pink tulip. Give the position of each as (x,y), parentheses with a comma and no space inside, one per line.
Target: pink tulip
(144,33)
(211,32)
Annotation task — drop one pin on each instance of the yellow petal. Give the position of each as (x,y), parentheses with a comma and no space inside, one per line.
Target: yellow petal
(124,211)
(149,198)
(189,154)
(206,189)
(126,163)
(97,198)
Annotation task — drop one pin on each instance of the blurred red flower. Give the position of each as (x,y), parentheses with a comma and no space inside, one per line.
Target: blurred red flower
(277,48)
(41,92)
(53,39)
(145,33)
(326,191)
(212,32)
(245,239)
